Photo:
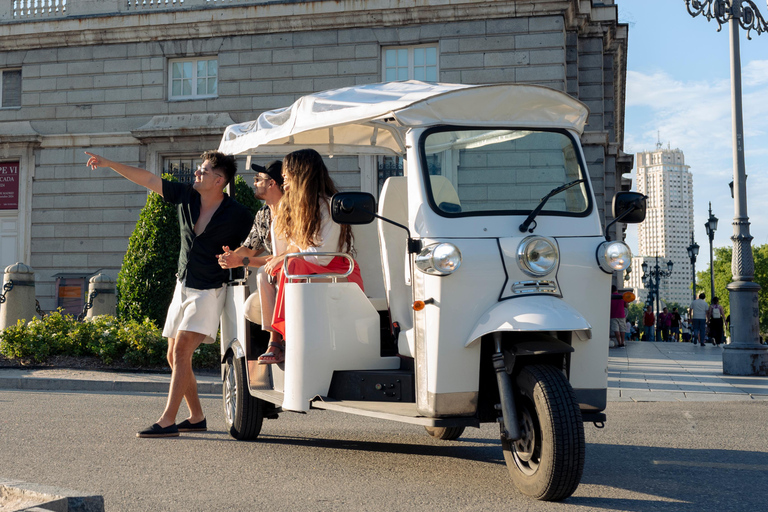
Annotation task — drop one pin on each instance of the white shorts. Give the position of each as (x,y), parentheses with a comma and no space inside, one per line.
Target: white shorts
(618,325)
(195,311)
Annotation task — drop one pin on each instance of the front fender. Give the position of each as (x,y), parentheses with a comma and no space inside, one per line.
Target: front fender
(530,313)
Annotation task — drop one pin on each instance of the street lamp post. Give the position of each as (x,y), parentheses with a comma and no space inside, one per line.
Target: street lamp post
(711,226)
(652,279)
(744,355)
(693,251)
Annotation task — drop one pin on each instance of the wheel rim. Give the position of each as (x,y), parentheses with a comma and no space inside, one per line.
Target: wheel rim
(230,394)
(527,449)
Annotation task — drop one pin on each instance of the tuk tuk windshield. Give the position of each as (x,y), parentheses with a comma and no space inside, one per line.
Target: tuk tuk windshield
(482,171)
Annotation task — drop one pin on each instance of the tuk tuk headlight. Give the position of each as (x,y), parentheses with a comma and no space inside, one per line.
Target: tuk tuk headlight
(537,256)
(613,256)
(439,259)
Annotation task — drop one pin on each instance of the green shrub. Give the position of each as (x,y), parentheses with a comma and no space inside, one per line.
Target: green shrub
(148,276)
(119,342)
(244,195)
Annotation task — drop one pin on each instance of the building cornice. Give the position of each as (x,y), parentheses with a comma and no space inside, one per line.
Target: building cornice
(282,16)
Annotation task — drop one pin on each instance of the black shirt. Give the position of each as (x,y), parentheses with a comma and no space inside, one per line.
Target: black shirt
(229,225)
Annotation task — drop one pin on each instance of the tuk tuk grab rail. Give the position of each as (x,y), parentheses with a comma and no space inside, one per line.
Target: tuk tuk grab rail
(328,275)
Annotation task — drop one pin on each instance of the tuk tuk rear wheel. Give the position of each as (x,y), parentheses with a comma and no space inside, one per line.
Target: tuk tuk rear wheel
(445,433)
(243,413)
(548,461)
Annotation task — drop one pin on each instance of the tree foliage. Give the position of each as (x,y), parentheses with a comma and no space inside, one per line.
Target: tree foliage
(244,195)
(723,276)
(148,276)
(635,313)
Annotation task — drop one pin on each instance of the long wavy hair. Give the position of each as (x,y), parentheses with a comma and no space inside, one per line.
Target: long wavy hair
(298,216)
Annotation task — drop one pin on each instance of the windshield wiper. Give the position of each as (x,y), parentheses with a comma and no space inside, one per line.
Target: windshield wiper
(528,220)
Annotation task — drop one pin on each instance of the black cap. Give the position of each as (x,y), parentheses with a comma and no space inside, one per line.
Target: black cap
(273,169)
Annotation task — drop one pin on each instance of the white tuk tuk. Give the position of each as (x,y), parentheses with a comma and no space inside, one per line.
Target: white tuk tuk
(487,276)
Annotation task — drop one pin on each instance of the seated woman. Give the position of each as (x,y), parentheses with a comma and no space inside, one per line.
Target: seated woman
(304,220)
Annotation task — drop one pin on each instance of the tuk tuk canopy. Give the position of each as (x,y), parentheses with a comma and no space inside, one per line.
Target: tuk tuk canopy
(373,118)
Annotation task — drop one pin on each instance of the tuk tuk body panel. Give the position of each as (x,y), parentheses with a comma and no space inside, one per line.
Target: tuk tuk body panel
(233,333)
(587,288)
(329,327)
(448,378)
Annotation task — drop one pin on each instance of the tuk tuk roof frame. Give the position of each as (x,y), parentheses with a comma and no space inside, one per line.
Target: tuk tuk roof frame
(372,119)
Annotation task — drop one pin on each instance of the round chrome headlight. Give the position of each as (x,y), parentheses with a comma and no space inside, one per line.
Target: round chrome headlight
(537,256)
(614,256)
(439,259)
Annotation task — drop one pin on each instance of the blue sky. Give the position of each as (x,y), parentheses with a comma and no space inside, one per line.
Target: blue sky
(678,85)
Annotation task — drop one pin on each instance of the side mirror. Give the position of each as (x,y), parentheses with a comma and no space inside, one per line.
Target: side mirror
(353,208)
(629,206)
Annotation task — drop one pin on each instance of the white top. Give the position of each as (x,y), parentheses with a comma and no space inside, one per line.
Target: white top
(279,245)
(373,118)
(699,308)
(328,238)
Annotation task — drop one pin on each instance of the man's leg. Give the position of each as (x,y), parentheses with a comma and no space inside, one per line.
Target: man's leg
(183,382)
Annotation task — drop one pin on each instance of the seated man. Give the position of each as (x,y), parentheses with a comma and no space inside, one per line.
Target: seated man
(257,249)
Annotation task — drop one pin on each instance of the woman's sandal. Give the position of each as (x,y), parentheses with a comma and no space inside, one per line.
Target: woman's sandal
(274,355)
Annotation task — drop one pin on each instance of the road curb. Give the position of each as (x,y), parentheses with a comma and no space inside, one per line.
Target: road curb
(115,386)
(48,498)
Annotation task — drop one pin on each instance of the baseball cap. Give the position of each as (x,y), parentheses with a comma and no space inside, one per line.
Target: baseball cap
(273,169)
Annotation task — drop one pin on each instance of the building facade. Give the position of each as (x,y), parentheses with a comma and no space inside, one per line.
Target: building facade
(153,83)
(666,232)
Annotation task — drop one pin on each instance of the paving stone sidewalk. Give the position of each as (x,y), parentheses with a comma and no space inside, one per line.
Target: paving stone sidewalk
(640,372)
(660,372)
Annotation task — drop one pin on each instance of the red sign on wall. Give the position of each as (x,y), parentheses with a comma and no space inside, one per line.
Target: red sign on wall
(9,185)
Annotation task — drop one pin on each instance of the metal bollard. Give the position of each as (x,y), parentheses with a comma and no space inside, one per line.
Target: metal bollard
(18,295)
(101,296)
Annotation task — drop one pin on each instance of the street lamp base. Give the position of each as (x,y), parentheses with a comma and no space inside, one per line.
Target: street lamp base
(745,360)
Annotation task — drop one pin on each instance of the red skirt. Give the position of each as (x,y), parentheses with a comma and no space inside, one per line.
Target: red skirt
(302,267)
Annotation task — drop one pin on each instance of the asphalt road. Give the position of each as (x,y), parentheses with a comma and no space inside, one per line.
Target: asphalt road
(661,456)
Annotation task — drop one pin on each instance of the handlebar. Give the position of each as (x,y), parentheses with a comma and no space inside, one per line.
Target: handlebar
(332,275)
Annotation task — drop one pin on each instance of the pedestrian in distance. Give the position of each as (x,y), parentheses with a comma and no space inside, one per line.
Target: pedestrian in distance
(715,317)
(209,219)
(664,323)
(699,309)
(618,319)
(674,323)
(649,322)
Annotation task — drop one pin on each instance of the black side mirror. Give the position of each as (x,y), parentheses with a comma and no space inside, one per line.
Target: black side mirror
(629,206)
(353,208)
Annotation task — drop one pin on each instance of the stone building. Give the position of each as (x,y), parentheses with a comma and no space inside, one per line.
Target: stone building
(663,176)
(154,82)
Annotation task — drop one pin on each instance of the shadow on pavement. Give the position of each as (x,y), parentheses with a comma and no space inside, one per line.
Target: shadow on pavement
(670,479)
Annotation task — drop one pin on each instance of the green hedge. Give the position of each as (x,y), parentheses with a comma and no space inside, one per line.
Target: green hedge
(114,341)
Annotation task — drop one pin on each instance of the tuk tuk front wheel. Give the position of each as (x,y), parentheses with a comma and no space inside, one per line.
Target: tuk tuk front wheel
(548,461)
(243,413)
(445,433)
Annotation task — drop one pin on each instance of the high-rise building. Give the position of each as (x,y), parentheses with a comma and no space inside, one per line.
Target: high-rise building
(666,232)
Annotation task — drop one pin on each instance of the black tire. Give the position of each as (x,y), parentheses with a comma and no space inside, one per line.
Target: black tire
(547,463)
(445,433)
(243,413)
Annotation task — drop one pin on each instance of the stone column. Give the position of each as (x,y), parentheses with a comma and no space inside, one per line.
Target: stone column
(19,299)
(105,301)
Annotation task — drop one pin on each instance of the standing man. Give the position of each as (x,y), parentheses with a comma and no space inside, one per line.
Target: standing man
(618,322)
(665,319)
(649,322)
(699,309)
(261,245)
(208,219)
(675,320)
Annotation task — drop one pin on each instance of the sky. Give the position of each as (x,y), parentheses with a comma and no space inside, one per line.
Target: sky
(679,92)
